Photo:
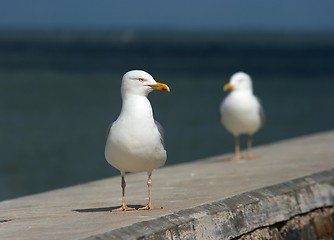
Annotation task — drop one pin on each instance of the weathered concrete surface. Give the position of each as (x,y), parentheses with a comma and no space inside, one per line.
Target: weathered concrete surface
(208,199)
(317,224)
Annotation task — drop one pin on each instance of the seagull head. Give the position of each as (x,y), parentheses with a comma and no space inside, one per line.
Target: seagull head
(239,81)
(139,82)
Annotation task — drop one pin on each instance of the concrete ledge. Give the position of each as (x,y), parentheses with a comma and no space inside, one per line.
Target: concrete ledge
(214,198)
(235,216)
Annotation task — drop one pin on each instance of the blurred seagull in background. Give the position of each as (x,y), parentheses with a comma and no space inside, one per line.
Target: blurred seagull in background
(135,140)
(241,112)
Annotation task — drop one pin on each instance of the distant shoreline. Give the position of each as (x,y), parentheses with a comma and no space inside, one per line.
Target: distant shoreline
(270,37)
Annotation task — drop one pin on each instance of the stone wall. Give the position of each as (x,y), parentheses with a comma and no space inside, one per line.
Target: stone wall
(296,209)
(286,193)
(318,224)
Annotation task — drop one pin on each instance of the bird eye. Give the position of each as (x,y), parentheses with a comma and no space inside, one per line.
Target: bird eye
(141,79)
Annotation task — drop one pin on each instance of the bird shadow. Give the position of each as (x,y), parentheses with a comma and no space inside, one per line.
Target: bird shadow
(103,209)
(220,159)
(232,159)
(5,220)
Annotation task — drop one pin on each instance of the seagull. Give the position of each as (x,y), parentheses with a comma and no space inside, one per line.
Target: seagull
(135,141)
(241,112)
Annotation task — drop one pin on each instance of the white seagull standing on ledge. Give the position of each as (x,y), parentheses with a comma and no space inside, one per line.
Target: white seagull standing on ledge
(241,112)
(135,141)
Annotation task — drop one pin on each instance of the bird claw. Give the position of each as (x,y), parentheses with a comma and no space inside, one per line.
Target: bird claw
(123,209)
(150,207)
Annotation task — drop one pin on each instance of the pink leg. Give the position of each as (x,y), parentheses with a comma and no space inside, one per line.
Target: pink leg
(124,207)
(149,206)
(249,147)
(237,148)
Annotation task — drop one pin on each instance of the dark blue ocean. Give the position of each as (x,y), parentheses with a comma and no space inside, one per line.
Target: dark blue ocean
(60,90)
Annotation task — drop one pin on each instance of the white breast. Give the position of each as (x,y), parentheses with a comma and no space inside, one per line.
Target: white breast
(134,143)
(240,113)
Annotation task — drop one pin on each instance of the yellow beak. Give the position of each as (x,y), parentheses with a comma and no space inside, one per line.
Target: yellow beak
(228,87)
(160,86)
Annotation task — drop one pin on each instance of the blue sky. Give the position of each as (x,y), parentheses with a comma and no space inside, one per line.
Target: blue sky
(284,15)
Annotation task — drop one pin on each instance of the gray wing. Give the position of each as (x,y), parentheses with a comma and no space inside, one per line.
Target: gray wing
(220,114)
(108,129)
(161,131)
(261,113)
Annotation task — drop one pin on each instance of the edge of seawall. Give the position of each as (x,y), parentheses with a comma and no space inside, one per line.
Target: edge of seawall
(238,215)
(286,193)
